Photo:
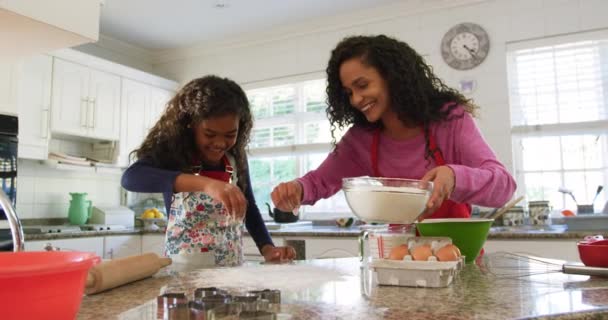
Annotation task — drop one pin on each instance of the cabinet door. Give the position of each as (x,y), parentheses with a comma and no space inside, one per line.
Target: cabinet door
(552,249)
(321,248)
(94,244)
(158,102)
(121,246)
(153,243)
(34,101)
(7,89)
(103,105)
(135,97)
(70,98)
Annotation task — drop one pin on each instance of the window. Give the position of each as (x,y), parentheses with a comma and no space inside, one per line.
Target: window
(558,91)
(291,136)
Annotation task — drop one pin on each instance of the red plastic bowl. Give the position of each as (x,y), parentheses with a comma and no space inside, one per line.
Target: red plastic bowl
(594,254)
(43,285)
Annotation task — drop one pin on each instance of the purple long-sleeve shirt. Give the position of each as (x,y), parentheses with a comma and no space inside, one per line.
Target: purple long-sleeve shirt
(142,176)
(480,178)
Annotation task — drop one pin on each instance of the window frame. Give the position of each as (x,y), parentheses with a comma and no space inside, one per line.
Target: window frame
(521,131)
(300,118)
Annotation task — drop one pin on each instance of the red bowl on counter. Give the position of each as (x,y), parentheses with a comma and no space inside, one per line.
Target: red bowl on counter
(43,285)
(594,253)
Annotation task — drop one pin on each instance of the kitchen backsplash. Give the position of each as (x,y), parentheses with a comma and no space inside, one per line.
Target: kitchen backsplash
(43,191)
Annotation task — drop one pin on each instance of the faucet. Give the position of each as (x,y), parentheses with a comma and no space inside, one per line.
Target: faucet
(13,222)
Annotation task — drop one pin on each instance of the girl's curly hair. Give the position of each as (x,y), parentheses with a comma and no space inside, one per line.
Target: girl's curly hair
(416,94)
(171,144)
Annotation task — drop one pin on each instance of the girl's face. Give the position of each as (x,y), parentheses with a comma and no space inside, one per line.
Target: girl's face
(215,136)
(367,90)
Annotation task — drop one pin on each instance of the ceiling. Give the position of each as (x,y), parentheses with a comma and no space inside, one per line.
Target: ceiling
(169,24)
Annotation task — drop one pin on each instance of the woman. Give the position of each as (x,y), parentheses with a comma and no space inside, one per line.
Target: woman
(406,123)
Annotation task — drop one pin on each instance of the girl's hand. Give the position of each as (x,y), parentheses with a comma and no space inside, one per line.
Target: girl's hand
(443,179)
(278,254)
(287,196)
(229,195)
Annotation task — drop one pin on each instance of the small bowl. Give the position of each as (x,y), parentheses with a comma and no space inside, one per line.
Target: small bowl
(344,222)
(386,200)
(594,253)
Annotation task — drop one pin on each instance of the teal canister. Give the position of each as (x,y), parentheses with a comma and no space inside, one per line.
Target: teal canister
(80,208)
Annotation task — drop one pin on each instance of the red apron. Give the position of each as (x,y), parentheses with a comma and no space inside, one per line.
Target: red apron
(225,175)
(449,208)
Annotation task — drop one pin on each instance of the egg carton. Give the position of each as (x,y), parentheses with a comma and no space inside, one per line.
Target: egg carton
(436,243)
(408,273)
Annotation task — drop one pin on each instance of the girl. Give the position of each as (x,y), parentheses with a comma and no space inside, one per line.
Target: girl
(406,123)
(195,155)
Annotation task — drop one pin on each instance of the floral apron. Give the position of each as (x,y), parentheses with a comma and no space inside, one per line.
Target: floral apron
(200,231)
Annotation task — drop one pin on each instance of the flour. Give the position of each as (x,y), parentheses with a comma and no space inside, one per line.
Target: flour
(386,204)
(280,276)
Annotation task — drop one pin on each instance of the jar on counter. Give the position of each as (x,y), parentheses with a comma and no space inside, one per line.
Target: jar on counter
(513,217)
(540,213)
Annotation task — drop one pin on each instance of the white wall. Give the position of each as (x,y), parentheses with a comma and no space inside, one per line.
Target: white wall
(43,192)
(302,49)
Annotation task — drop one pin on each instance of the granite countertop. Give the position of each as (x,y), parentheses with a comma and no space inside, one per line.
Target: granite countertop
(496,287)
(505,233)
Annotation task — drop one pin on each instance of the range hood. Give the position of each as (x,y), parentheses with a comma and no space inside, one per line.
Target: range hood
(29,27)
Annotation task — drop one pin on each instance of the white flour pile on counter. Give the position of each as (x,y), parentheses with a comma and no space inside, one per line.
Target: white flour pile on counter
(280,276)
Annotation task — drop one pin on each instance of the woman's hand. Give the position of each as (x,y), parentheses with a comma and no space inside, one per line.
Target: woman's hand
(278,254)
(443,179)
(229,195)
(287,196)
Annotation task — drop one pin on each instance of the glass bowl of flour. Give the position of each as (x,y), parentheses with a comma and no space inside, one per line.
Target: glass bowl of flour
(386,200)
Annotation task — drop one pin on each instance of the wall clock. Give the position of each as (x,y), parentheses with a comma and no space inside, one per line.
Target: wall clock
(465,46)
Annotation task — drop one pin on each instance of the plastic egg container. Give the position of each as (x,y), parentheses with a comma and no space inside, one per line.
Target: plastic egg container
(416,270)
(425,249)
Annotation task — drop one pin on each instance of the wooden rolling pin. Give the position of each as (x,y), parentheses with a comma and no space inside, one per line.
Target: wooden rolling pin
(117,272)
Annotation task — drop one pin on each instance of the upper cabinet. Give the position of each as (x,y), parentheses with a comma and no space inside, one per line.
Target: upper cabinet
(86,102)
(34,104)
(29,27)
(142,106)
(7,88)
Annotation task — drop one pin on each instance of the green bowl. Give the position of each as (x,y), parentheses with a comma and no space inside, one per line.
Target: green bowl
(468,235)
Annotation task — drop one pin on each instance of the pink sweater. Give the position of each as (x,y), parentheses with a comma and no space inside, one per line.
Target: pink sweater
(480,178)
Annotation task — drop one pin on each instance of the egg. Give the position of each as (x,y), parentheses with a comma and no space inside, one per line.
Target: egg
(422,253)
(398,252)
(448,252)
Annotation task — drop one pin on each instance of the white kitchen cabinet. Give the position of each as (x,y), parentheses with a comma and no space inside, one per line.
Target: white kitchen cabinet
(94,244)
(8,89)
(34,106)
(153,243)
(563,249)
(121,246)
(36,27)
(86,102)
(323,248)
(142,105)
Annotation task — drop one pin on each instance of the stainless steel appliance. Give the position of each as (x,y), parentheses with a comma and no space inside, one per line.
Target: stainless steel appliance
(8,174)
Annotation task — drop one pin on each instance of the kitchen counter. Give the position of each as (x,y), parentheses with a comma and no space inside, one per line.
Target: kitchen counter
(497,287)
(526,232)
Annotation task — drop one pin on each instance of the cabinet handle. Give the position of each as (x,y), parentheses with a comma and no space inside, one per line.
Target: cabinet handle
(111,253)
(92,103)
(45,123)
(83,120)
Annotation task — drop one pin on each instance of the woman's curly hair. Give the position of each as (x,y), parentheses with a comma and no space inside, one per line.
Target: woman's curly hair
(171,144)
(416,94)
